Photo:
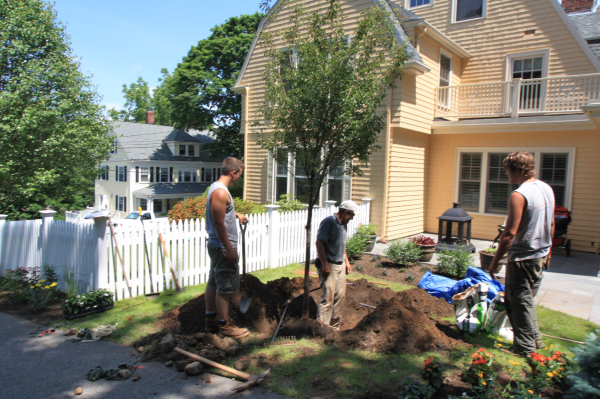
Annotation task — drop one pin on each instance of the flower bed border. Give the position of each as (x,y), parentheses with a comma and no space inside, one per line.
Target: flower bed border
(71,316)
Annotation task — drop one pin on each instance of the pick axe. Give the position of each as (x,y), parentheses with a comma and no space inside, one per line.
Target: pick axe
(251,380)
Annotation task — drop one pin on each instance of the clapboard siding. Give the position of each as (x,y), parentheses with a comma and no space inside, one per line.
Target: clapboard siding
(585,227)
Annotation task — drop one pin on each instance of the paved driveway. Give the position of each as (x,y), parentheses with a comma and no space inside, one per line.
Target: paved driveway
(49,367)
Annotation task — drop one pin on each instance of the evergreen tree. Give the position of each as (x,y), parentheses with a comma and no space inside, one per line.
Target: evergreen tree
(586,383)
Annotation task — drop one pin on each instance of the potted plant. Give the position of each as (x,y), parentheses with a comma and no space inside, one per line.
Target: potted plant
(487,255)
(91,302)
(369,233)
(427,245)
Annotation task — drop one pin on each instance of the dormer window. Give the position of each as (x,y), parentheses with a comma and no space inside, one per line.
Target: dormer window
(187,149)
(182,149)
(191,150)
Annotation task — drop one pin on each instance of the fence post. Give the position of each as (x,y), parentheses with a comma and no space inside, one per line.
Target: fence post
(515,94)
(2,224)
(273,235)
(330,205)
(100,278)
(367,201)
(47,219)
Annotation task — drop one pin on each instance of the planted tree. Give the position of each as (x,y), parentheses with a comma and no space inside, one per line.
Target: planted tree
(137,101)
(52,128)
(323,92)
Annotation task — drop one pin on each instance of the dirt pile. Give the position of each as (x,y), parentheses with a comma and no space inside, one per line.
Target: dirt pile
(400,324)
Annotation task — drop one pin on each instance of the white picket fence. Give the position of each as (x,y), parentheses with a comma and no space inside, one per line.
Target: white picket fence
(272,240)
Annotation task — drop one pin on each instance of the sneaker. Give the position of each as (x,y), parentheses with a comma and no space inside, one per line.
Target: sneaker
(211,324)
(230,330)
(539,344)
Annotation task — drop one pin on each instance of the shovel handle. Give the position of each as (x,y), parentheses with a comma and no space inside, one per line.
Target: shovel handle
(240,374)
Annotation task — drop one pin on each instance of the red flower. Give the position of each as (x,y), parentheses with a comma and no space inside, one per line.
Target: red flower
(427,362)
(481,350)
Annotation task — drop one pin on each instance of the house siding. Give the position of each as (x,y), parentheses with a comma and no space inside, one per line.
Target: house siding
(585,227)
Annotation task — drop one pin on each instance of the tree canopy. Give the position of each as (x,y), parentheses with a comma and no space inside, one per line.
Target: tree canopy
(53,134)
(137,101)
(198,91)
(324,92)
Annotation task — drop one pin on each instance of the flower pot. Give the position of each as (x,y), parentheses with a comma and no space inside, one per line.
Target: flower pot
(71,316)
(428,251)
(485,260)
(371,239)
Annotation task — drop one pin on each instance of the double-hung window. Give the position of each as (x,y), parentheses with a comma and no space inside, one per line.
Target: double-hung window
(144,174)
(121,173)
(281,178)
(418,3)
(445,78)
(158,206)
(144,204)
(465,10)
(163,175)
(191,150)
(482,185)
(187,175)
(182,149)
(335,184)
(121,203)
(529,69)
(103,175)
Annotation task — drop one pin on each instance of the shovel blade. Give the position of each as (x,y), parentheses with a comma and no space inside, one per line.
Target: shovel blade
(245,302)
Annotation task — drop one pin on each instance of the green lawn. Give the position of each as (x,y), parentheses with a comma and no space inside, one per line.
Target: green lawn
(312,369)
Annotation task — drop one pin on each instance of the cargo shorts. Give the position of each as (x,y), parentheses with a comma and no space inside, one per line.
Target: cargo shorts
(224,276)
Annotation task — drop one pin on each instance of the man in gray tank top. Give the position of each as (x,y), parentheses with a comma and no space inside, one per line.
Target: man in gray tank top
(527,238)
(224,277)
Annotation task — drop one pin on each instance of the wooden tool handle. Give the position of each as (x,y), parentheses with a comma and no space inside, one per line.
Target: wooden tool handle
(164,247)
(240,374)
(163,244)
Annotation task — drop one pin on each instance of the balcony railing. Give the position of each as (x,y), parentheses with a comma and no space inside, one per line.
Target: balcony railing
(564,94)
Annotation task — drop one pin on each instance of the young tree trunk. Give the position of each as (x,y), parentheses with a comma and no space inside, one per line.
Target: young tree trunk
(306,299)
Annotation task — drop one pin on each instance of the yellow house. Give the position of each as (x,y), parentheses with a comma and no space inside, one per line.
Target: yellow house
(484,78)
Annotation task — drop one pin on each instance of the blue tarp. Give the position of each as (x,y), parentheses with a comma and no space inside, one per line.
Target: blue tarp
(446,288)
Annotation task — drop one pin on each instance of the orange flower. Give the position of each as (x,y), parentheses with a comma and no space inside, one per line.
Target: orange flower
(481,350)
(427,362)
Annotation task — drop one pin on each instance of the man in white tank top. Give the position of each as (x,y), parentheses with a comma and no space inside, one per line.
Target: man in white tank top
(224,277)
(527,238)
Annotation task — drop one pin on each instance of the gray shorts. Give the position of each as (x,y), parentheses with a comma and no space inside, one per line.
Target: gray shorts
(224,276)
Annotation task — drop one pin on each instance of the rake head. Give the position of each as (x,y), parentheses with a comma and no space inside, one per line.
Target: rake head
(284,341)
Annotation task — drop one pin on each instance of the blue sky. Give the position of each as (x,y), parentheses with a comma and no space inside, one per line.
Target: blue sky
(118,41)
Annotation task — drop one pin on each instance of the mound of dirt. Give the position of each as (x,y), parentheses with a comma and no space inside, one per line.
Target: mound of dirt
(399,324)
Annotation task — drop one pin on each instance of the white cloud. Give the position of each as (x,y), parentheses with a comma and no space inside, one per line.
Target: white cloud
(151,89)
(114,106)
(136,68)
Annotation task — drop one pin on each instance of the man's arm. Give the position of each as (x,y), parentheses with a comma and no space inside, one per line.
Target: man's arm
(218,207)
(516,204)
(241,218)
(323,257)
(348,265)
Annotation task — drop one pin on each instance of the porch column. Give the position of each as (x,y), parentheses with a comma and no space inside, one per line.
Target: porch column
(150,205)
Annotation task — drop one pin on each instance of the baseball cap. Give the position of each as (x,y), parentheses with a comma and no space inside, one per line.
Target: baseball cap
(349,206)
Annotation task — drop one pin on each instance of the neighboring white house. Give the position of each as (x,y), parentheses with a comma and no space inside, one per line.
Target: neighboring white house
(154,167)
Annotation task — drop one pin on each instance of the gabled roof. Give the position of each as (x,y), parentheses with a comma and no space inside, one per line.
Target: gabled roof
(587,23)
(189,189)
(180,136)
(143,142)
(414,60)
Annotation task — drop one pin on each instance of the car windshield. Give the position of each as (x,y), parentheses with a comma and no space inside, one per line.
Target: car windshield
(133,215)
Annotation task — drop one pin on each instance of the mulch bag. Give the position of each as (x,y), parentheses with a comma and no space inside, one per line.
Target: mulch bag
(444,287)
(470,308)
(496,319)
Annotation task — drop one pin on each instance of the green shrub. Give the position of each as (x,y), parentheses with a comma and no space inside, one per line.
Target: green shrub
(413,389)
(586,383)
(195,208)
(368,229)
(248,207)
(289,203)
(87,302)
(403,252)
(356,245)
(454,263)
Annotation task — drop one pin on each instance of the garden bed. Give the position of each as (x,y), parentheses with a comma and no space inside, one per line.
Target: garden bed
(9,305)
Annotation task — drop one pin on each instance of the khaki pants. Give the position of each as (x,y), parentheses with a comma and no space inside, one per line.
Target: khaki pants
(523,279)
(333,295)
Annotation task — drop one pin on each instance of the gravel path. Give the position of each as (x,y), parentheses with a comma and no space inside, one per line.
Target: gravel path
(49,367)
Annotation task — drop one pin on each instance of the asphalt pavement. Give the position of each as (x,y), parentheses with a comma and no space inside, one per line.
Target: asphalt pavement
(52,367)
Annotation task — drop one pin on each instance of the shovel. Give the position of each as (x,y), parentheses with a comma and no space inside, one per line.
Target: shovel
(251,380)
(245,301)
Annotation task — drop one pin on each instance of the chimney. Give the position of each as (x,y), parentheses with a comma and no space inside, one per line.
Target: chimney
(149,117)
(577,5)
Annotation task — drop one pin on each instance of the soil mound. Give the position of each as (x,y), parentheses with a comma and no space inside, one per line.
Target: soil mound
(399,324)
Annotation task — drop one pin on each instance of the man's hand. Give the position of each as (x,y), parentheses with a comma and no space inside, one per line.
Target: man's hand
(492,269)
(243,219)
(231,255)
(325,270)
(348,268)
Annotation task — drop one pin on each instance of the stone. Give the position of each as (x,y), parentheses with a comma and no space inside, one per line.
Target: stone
(210,347)
(136,377)
(194,368)
(141,349)
(224,343)
(124,373)
(212,355)
(169,363)
(222,354)
(200,347)
(198,336)
(167,344)
(70,331)
(180,365)
(208,338)
(242,364)
(232,350)
(78,390)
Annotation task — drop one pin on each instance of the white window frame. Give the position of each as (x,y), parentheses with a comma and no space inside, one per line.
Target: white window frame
(118,171)
(193,175)
(120,199)
(104,175)
(144,173)
(114,148)
(144,204)
(537,151)
(408,7)
(511,57)
(184,150)
(483,12)
(160,174)
(448,55)
(193,148)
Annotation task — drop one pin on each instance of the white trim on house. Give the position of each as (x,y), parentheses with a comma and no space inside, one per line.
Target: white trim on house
(544,52)
(441,38)
(408,7)
(455,5)
(537,151)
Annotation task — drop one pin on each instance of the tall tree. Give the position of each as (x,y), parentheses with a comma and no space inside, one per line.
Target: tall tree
(137,101)
(161,99)
(52,128)
(323,94)
(199,88)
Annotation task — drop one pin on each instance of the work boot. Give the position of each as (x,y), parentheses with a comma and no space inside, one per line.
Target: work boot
(211,323)
(230,330)
(539,344)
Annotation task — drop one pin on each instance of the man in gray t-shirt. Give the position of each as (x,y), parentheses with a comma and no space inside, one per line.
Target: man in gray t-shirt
(333,264)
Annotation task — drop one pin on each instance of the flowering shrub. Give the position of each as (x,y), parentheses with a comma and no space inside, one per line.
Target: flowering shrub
(548,370)
(422,240)
(40,294)
(480,373)
(87,302)
(433,373)
(195,208)
(368,229)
